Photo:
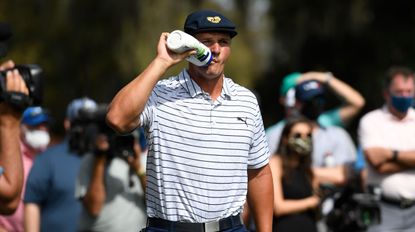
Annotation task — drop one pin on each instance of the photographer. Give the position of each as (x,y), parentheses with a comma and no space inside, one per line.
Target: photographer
(11,166)
(111,180)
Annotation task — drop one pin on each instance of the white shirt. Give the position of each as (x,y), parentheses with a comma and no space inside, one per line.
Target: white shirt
(380,128)
(200,150)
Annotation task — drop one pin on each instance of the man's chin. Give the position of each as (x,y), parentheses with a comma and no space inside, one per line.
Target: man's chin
(213,73)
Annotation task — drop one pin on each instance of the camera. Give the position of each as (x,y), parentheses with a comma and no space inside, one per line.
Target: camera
(349,208)
(353,211)
(88,125)
(32,76)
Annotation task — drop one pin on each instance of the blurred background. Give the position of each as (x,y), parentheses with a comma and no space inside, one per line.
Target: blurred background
(93,48)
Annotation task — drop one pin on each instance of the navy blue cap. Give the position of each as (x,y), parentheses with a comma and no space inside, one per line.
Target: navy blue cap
(34,116)
(307,90)
(208,20)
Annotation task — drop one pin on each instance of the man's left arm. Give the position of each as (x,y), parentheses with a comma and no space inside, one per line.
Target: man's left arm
(388,160)
(261,197)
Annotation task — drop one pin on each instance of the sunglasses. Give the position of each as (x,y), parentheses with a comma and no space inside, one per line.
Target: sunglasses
(301,135)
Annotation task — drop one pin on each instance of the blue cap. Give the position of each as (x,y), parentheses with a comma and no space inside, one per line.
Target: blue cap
(72,111)
(208,20)
(34,116)
(307,90)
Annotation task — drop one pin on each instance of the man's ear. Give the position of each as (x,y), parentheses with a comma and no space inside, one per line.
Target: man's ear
(386,95)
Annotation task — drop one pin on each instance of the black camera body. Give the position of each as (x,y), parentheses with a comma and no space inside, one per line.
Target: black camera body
(32,76)
(91,123)
(353,211)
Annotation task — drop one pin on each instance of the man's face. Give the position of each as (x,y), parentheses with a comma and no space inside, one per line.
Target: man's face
(220,46)
(312,108)
(401,86)
(400,94)
(36,137)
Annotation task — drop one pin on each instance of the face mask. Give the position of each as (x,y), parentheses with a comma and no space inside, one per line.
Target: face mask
(401,104)
(37,139)
(302,146)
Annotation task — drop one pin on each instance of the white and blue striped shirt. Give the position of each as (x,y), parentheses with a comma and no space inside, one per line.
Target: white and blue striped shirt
(200,150)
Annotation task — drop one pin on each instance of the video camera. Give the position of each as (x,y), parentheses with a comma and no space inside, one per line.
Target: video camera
(31,74)
(353,211)
(88,125)
(350,208)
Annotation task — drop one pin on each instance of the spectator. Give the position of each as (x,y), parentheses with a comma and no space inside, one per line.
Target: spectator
(294,200)
(333,148)
(34,138)
(387,136)
(50,204)
(110,185)
(353,102)
(207,148)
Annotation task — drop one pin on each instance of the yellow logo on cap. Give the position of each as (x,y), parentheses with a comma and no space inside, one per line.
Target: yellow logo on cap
(215,19)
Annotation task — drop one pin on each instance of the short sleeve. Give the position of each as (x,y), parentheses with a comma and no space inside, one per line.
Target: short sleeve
(147,114)
(273,135)
(259,150)
(367,132)
(331,118)
(39,180)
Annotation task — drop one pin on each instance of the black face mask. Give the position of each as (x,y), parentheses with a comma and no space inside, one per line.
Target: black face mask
(313,108)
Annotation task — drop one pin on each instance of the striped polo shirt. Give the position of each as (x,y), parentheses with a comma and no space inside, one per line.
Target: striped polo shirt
(200,150)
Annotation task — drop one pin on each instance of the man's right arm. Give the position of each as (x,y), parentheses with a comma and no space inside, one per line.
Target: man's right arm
(125,109)
(11,180)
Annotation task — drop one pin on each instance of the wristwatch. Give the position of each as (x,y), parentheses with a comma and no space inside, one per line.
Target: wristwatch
(395,154)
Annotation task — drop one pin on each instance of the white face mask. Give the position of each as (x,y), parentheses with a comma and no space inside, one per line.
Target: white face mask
(37,139)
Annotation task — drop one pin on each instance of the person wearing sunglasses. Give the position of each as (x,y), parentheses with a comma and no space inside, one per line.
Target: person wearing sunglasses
(295,203)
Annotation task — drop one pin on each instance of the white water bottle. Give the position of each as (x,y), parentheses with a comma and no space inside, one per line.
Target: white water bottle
(179,42)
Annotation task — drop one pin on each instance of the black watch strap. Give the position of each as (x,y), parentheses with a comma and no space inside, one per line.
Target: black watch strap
(395,155)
